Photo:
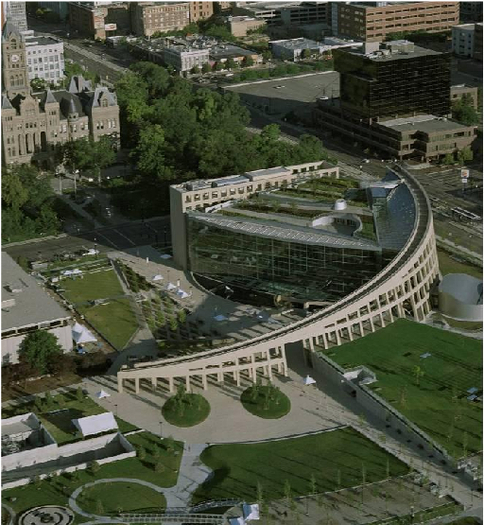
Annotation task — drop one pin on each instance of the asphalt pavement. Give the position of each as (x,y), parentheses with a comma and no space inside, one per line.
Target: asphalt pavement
(119,237)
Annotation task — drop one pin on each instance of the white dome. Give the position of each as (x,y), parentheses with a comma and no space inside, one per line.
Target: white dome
(340,204)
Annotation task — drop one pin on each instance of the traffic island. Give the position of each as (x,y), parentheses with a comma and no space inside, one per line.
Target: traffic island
(266,401)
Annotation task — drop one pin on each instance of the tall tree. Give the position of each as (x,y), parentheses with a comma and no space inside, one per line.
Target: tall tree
(38,349)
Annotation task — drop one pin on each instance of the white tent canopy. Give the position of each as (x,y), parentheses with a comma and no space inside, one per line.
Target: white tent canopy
(96,424)
(251,512)
(157,277)
(308,380)
(170,287)
(81,334)
(102,394)
(182,294)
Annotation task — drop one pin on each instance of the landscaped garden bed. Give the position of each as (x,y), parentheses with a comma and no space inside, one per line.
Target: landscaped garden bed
(185,409)
(266,401)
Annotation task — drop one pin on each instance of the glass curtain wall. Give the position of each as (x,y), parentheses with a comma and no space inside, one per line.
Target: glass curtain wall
(302,271)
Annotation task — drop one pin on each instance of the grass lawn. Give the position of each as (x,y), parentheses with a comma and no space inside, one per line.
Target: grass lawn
(465,521)
(449,265)
(57,490)
(121,497)
(337,459)
(192,410)
(436,402)
(115,320)
(265,401)
(92,286)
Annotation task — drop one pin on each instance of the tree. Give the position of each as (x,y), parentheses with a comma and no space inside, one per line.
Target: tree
(418,373)
(206,68)
(313,485)
(142,453)
(38,348)
(195,70)
(86,154)
(230,63)
(150,153)
(79,394)
(182,316)
(287,492)
(219,66)
(94,467)
(306,53)
(464,155)
(170,444)
(248,61)
(448,159)
(463,111)
(173,324)
(266,55)
(159,467)
(260,493)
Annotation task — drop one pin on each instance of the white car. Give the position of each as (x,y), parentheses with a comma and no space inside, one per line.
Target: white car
(365,161)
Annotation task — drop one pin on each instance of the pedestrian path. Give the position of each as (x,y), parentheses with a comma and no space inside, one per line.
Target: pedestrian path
(192,474)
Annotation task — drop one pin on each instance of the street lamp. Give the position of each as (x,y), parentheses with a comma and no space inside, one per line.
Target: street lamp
(161,427)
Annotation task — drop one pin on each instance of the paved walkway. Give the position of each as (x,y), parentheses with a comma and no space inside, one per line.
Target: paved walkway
(192,474)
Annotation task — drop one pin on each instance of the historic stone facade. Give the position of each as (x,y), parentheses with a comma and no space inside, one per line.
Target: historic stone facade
(34,123)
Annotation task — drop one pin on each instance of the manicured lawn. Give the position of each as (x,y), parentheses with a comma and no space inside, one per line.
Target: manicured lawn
(338,459)
(436,402)
(121,497)
(57,490)
(190,411)
(115,321)
(449,265)
(101,285)
(265,401)
(465,521)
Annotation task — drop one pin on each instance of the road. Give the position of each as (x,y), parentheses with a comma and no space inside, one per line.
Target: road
(119,237)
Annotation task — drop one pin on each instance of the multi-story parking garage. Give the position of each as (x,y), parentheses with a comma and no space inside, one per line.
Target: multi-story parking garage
(400,288)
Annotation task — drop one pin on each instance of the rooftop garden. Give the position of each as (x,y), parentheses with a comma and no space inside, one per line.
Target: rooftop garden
(431,391)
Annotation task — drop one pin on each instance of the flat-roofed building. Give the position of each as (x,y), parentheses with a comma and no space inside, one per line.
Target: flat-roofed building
(45,57)
(477,53)
(463,40)
(200,11)
(148,18)
(240,25)
(184,58)
(100,21)
(288,13)
(26,307)
(471,11)
(374,21)
(15,13)
(202,194)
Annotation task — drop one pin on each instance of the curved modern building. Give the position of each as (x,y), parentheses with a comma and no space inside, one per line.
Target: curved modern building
(460,297)
(364,269)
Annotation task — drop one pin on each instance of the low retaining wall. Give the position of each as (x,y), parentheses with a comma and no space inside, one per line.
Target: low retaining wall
(72,450)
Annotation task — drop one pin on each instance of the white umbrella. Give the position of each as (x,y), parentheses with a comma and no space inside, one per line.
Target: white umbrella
(182,294)
(308,380)
(157,277)
(102,394)
(170,287)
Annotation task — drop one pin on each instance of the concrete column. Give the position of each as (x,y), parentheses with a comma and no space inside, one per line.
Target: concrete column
(171,385)
(153,382)
(220,375)
(391,315)
(187,383)
(338,337)
(237,377)
(269,371)
(382,320)
(350,332)
(120,385)
(372,324)
(325,341)
(285,361)
(311,344)
(362,330)
(204,381)
(136,385)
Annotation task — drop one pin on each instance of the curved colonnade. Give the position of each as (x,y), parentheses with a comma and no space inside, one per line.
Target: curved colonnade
(402,288)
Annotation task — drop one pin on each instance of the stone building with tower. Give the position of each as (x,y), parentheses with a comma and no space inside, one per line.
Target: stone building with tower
(33,124)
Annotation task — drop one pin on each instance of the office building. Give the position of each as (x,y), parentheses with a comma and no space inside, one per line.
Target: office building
(463,40)
(287,13)
(295,48)
(471,11)
(184,58)
(459,90)
(15,12)
(26,307)
(393,80)
(100,21)
(45,57)
(61,9)
(477,55)
(375,21)
(200,11)
(240,25)
(148,18)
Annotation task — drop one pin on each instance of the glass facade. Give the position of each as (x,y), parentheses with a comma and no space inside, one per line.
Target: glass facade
(301,271)
(394,86)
